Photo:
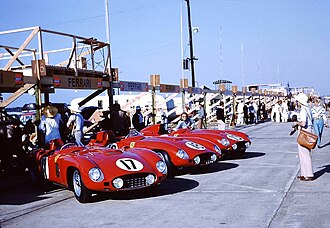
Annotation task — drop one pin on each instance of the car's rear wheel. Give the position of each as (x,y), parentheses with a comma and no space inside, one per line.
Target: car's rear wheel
(80,191)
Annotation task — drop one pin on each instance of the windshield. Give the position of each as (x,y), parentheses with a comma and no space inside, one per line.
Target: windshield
(133,133)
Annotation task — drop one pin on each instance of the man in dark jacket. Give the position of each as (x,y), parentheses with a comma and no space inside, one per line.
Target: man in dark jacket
(246,113)
(221,117)
(138,120)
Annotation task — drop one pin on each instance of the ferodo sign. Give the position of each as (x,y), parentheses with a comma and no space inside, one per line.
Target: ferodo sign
(73,82)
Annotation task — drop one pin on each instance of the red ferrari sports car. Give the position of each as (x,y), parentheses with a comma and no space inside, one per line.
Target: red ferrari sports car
(176,152)
(87,169)
(230,142)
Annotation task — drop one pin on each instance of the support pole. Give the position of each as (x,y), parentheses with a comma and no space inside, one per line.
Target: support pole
(192,58)
(153,106)
(107,22)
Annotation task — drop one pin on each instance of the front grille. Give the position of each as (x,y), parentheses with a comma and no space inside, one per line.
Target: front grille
(206,158)
(132,181)
(240,146)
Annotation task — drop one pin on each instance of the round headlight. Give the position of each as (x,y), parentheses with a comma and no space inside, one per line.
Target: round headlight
(197,160)
(182,154)
(217,149)
(213,157)
(118,183)
(224,142)
(161,167)
(150,179)
(95,175)
(247,144)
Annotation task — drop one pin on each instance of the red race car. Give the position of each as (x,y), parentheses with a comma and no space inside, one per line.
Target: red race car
(231,142)
(176,152)
(87,169)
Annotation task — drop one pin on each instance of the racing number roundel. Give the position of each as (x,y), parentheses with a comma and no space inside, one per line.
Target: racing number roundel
(235,137)
(129,164)
(195,146)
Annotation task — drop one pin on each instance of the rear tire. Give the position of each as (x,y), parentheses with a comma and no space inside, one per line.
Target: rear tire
(80,191)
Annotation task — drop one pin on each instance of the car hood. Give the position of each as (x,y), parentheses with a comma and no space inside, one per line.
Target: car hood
(114,160)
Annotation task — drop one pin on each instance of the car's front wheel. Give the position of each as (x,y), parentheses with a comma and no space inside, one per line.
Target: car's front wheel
(80,191)
(166,158)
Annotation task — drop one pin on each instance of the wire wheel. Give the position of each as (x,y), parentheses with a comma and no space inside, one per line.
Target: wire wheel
(76,180)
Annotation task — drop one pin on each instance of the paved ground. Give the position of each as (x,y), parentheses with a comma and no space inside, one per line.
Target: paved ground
(258,190)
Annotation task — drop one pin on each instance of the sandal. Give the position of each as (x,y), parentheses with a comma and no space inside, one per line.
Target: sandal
(307,178)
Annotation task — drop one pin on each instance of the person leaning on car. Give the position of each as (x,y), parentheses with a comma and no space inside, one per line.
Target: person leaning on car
(50,125)
(76,124)
(185,122)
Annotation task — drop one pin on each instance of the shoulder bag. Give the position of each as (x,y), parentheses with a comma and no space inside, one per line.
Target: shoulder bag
(307,139)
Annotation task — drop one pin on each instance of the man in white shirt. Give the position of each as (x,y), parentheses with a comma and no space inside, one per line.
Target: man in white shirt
(50,124)
(76,124)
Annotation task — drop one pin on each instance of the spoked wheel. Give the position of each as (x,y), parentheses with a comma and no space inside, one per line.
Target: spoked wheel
(80,191)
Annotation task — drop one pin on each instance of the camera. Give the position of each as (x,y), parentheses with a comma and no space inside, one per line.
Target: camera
(294,127)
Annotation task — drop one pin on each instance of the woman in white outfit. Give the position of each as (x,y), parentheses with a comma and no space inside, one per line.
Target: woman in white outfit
(305,121)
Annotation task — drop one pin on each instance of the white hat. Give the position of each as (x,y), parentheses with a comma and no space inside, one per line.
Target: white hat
(302,99)
(74,108)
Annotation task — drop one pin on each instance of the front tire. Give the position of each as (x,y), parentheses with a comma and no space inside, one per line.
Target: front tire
(166,158)
(80,191)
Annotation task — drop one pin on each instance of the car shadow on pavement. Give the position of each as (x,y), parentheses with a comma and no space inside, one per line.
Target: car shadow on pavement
(326,169)
(213,168)
(167,187)
(26,193)
(246,155)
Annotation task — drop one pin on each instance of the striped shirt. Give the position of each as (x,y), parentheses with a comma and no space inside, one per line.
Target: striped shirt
(318,112)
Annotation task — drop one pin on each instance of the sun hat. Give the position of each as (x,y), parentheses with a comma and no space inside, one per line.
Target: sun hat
(50,111)
(302,99)
(74,108)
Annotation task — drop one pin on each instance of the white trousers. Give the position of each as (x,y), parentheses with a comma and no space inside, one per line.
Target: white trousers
(306,166)
(240,118)
(221,125)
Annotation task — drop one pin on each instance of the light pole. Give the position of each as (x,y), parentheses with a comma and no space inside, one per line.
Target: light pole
(192,58)
(107,24)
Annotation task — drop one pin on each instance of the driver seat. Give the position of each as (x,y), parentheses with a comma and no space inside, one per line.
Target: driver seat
(102,138)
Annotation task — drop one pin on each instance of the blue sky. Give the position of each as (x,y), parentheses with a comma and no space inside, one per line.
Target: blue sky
(284,40)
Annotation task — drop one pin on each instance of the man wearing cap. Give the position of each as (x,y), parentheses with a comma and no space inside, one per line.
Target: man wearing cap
(138,121)
(305,121)
(50,124)
(76,124)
